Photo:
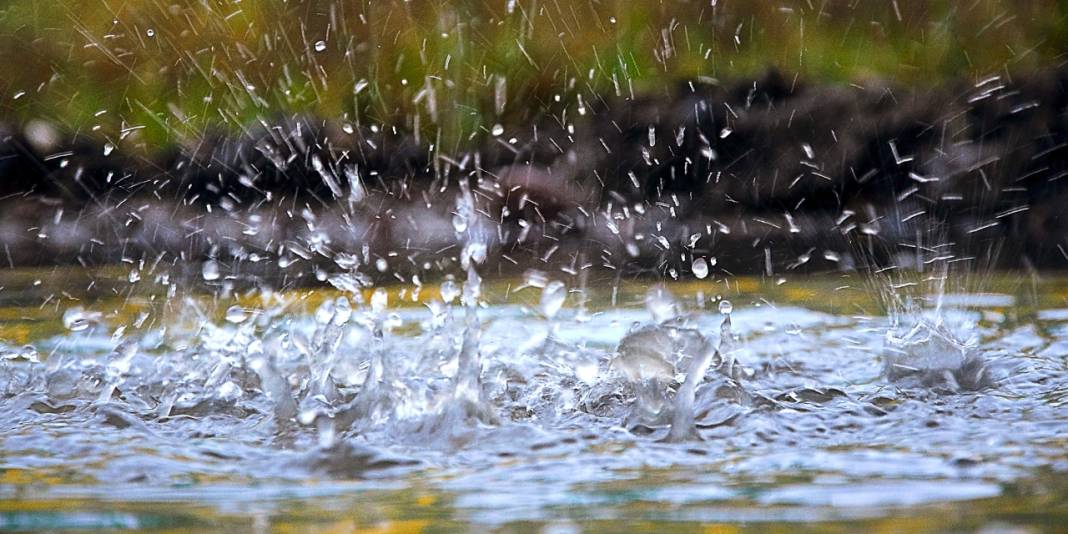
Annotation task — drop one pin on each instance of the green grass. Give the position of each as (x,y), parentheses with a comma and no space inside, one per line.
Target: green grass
(179,68)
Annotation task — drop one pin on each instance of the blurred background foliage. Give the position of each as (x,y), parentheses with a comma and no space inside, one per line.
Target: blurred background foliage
(148,73)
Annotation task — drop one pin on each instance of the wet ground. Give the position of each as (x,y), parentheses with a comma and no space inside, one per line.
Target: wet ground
(853,402)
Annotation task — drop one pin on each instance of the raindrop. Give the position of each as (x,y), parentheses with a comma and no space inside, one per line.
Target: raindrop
(342,311)
(77,319)
(552,298)
(449,291)
(725,307)
(134,276)
(497,130)
(459,223)
(347,261)
(210,270)
(473,252)
(360,86)
(325,312)
(535,278)
(320,46)
(700,268)
(379,300)
(236,314)
(27,352)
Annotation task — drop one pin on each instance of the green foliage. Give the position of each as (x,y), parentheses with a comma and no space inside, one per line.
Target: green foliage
(153,72)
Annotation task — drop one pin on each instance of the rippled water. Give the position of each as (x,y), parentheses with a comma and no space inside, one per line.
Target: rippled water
(829,400)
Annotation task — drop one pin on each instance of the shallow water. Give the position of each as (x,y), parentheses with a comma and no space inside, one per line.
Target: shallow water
(133,405)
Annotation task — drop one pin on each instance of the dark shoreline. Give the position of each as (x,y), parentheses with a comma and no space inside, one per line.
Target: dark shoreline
(766,176)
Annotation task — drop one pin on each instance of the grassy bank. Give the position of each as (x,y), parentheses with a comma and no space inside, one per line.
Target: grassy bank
(144,73)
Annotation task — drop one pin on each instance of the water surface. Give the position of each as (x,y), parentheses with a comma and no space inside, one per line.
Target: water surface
(837,400)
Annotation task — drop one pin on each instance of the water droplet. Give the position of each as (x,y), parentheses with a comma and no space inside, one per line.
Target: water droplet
(449,291)
(459,223)
(342,311)
(27,352)
(497,130)
(150,32)
(77,319)
(379,300)
(325,312)
(134,276)
(473,252)
(108,149)
(535,278)
(725,307)
(236,314)
(552,298)
(210,270)
(700,268)
(347,261)
(320,46)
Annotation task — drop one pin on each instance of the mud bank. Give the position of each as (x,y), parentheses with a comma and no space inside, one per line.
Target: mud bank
(770,175)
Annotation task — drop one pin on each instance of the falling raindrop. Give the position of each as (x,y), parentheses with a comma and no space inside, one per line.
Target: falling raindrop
(320,46)
(459,223)
(725,307)
(342,310)
(379,300)
(700,268)
(449,291)
(77,319)
(210,270)
(552,298)
(236,314)
(324,314)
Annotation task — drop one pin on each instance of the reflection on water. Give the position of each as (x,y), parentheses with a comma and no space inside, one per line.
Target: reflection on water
(451,406)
